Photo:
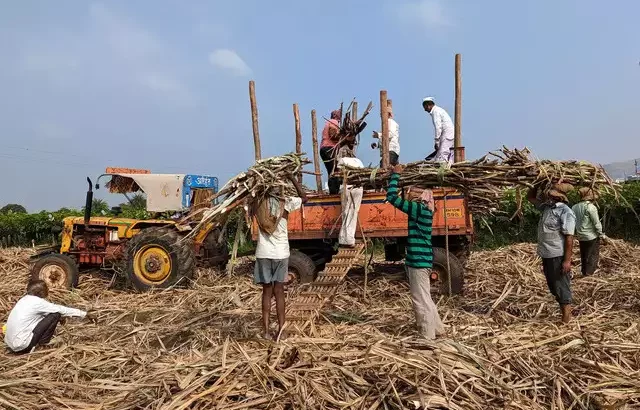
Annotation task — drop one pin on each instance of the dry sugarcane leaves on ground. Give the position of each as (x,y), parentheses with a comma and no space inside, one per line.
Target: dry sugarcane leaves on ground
(485,180)
(197,348)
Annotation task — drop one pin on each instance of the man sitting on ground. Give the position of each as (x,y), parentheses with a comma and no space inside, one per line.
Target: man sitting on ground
(33,320)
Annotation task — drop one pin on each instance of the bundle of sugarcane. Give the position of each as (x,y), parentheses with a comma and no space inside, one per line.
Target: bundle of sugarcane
(485,180)
(267,175)
(349,127)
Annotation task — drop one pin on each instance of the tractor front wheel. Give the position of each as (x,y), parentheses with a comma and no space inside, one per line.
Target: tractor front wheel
(56,270)
(159,258)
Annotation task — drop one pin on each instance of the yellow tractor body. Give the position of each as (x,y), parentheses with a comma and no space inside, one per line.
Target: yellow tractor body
(150,253)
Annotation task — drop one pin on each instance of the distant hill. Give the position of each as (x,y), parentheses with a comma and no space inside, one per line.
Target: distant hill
(621,169)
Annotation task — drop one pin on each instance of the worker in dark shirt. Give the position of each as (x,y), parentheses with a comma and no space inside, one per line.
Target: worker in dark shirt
(419,260)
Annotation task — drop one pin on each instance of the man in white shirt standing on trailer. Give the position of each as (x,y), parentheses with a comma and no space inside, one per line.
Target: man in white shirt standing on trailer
(443,132)
(351,198)
(394,140)
(33,320)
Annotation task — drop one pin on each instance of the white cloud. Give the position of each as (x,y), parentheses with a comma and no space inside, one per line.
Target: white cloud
(428,14)
(230,61)
(138,54)
(166,84)
(123,35)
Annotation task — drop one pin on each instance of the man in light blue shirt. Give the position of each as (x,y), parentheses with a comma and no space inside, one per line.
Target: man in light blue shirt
(588,230)
(555,242)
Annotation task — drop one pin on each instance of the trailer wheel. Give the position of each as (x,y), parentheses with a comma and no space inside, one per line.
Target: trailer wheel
(158,258)
(302,269)
(442,275)
(56,270)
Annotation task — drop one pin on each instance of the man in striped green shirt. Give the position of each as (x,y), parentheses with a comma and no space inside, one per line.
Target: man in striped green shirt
(419,260)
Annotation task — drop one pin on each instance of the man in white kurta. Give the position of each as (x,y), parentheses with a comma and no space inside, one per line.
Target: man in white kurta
(394,140)
(351,199)
(443,131)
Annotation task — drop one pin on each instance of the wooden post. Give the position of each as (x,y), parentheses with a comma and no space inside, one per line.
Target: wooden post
(458,153)
(316,156)
(384,117)
(296,118)
(354,111)
(254,119)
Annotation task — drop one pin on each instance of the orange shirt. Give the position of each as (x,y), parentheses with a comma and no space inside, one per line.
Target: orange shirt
(327,141)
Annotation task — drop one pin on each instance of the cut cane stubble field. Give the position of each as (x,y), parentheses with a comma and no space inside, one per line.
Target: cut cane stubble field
(197,348)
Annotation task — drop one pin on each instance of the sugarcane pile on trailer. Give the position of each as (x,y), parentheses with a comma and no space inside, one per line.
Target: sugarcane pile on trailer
(485,180)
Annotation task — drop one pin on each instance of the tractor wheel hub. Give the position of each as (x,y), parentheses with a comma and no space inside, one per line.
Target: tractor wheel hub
(153,263)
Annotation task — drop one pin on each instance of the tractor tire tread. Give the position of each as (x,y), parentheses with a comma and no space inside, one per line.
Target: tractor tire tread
(304,265)
(69,264)
(457,271)
(181,252)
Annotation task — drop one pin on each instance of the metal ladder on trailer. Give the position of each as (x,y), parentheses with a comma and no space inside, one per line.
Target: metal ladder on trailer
(306,303)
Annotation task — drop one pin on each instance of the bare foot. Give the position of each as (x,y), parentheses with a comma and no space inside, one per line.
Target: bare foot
(266,336)
(281,335)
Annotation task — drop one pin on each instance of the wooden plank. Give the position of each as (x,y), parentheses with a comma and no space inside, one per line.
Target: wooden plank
(296,119)
(254,119)
(384,118)
(458,153)
(316,152)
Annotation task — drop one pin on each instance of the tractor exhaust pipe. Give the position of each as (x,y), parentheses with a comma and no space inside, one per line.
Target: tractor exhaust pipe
(88,203)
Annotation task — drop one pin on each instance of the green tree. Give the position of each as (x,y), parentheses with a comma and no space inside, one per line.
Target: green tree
(137,202)
(135,208)
(99,207)
(13,208)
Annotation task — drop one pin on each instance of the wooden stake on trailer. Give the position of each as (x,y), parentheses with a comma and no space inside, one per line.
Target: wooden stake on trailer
(458,153)
(316,156)
(354,111)
(384,117)
(254,119)
(296,118)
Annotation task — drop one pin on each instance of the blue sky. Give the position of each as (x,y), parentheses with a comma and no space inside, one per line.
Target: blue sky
(164,84)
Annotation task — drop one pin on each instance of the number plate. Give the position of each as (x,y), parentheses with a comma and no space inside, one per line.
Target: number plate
(454,213)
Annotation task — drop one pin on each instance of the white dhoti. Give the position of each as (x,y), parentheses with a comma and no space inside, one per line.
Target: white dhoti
(426,311)
(351,200)
(445,145)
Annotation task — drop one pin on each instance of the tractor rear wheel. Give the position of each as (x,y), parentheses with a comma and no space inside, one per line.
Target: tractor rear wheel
(441,275)
(159,258)
(56,270)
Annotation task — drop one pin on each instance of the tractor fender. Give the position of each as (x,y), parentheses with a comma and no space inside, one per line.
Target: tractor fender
(44,252)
